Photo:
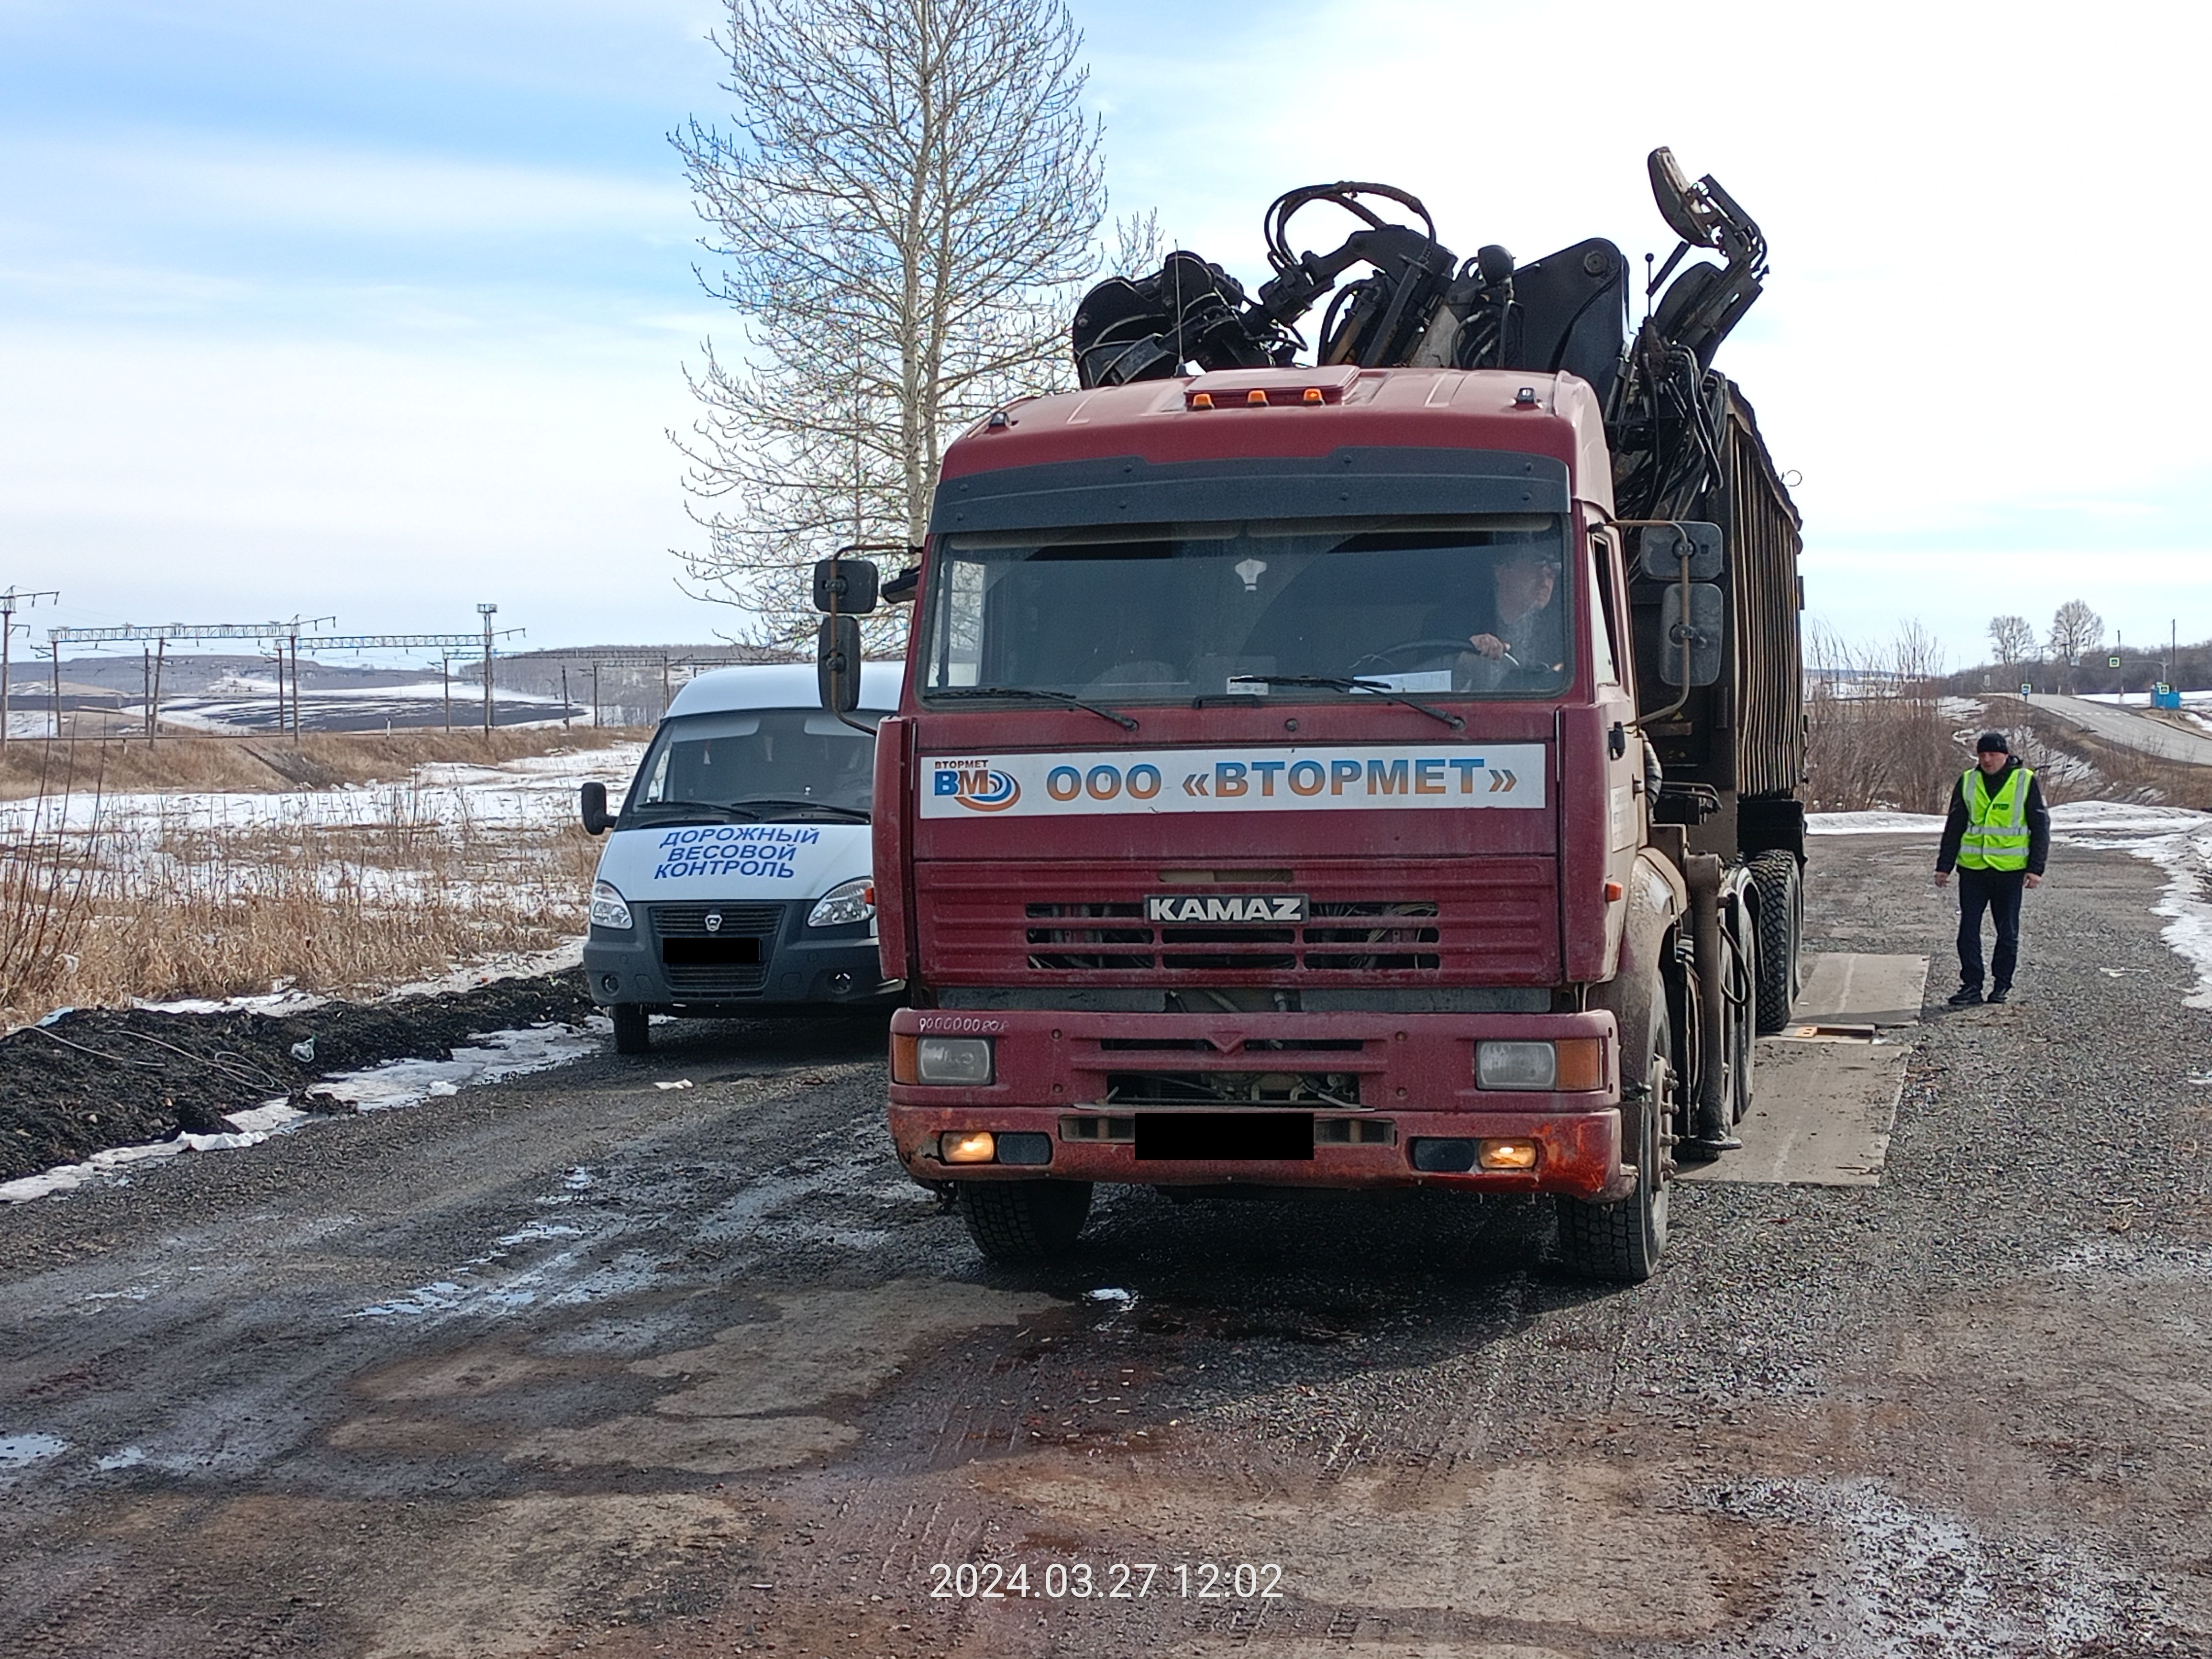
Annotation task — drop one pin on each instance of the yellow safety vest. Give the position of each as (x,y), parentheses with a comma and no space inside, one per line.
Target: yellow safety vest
(1996,825)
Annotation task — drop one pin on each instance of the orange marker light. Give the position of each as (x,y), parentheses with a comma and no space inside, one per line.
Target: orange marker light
(1614,892)
(903,1069)
(968,1146)
(1506,1154)
(1201,400)
(1582,1064)
(1313,394)
(1256,397)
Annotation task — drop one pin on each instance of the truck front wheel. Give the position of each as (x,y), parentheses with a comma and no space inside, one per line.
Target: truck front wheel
(632,1033)
(1622,1242)
(1025,1222)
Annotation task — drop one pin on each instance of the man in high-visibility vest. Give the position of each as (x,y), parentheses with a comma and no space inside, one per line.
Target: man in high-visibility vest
(1997,836)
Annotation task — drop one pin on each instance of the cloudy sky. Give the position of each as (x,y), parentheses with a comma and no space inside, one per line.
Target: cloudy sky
(379,310)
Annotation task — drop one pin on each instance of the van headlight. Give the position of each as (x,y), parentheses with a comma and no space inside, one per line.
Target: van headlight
(609,910)
(846,902)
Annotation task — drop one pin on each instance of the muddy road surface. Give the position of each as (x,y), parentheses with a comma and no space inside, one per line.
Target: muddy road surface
(580,1364)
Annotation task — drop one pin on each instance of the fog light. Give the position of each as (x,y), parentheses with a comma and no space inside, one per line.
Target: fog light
(1507,1155)
(609,984)
(1452,1157)
(968,1146)
(1518,1065)
(952,1059)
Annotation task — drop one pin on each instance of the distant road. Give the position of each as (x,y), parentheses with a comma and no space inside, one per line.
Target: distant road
(2125,726)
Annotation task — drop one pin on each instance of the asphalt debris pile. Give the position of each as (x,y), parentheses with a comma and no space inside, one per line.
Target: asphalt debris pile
(98,1078)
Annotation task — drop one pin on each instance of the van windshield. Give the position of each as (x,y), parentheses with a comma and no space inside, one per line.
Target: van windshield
(1472,606)
(756,766)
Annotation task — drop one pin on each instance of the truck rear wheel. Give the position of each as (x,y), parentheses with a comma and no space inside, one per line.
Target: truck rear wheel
(1025,1222)
(632,1033)
(1622,1242)
(1775,878)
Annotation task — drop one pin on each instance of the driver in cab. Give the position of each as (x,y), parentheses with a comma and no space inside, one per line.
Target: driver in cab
(1521,635)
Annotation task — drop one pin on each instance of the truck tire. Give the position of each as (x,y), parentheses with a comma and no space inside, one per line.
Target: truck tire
(1021,1222)
(1743,1024)
(1621,1242)
(1775,877)
(632,1033)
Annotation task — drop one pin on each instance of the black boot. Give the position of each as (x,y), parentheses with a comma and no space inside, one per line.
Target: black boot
(1999,993)
(1966,996)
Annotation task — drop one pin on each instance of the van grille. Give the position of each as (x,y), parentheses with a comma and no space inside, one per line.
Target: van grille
(746,941)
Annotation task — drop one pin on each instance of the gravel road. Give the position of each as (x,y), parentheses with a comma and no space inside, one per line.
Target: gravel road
(579,1364)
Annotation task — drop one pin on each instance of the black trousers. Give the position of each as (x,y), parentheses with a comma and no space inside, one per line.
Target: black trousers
(1999,891)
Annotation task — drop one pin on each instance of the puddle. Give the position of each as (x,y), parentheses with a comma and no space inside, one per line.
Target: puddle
(18,1450)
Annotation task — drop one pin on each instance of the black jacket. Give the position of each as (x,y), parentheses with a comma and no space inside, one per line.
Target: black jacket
(2038,821)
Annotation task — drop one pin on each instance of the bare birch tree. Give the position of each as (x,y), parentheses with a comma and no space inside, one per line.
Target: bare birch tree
(906,205)
(2075,631)
(2013,638)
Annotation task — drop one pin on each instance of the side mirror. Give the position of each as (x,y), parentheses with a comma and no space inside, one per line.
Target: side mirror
(901,588)
(837,662)
(845,587)
(1704,629)
(1661,547)
(593,799)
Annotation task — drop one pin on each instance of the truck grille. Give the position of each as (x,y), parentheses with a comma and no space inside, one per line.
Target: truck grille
(1365,935)
(732,960)
(1497,919)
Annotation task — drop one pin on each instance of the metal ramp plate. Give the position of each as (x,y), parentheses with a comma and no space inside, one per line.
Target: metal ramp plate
(1824,1095)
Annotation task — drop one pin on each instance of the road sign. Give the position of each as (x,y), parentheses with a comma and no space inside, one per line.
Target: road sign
(2025,688)
(2112,662)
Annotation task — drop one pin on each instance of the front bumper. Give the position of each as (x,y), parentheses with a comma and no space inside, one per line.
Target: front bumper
(801,966)
(1067,1077)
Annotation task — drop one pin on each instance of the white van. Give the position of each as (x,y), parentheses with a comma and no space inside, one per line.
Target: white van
(736,880)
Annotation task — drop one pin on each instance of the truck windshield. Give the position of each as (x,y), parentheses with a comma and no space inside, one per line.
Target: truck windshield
(1168,613)
(756,766)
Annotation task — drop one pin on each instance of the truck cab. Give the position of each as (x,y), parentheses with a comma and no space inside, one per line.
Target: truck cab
(735,879)
(1266,805)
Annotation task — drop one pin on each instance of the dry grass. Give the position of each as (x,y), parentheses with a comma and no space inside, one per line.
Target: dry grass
(1876,737)
(321,760)
(403,886)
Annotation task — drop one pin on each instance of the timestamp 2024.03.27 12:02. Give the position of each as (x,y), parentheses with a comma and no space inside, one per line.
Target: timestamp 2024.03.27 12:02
(1106,1581)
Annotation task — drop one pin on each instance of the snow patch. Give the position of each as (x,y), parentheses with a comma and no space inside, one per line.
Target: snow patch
(1873,823)
(497,1056)
(18,1450)
(2178,841)
(254,1126)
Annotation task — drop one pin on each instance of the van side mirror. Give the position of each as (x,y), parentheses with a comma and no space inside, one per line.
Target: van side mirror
(838,662)
(845,587)
(1659,550)
(1703,629)
(592,798)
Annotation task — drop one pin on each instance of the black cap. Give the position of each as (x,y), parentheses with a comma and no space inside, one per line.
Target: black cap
(1992,743)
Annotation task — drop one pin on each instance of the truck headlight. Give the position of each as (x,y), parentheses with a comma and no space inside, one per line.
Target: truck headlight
(1521,1065)
(952,1059)
(1571,1065)
(846,902)
(609,910)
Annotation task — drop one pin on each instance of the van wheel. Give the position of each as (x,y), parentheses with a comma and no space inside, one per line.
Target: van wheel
(1021,1222)
(631,1032)
(1622,1242)
(1780,887)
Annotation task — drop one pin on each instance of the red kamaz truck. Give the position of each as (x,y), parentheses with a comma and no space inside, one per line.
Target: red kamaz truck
(1378,773)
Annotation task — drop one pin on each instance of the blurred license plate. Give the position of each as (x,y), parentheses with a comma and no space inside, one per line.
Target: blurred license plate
(1224,1137)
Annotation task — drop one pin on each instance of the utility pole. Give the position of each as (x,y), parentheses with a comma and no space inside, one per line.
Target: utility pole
(154,706)
(487,612)
(446,673)
(564,696)
(595,696)
(13,600)
(56,653)
(146,686)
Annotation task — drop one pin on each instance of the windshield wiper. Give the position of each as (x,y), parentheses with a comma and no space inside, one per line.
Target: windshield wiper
(1122,720)
(858,814)
(1346,683)
(712,810)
